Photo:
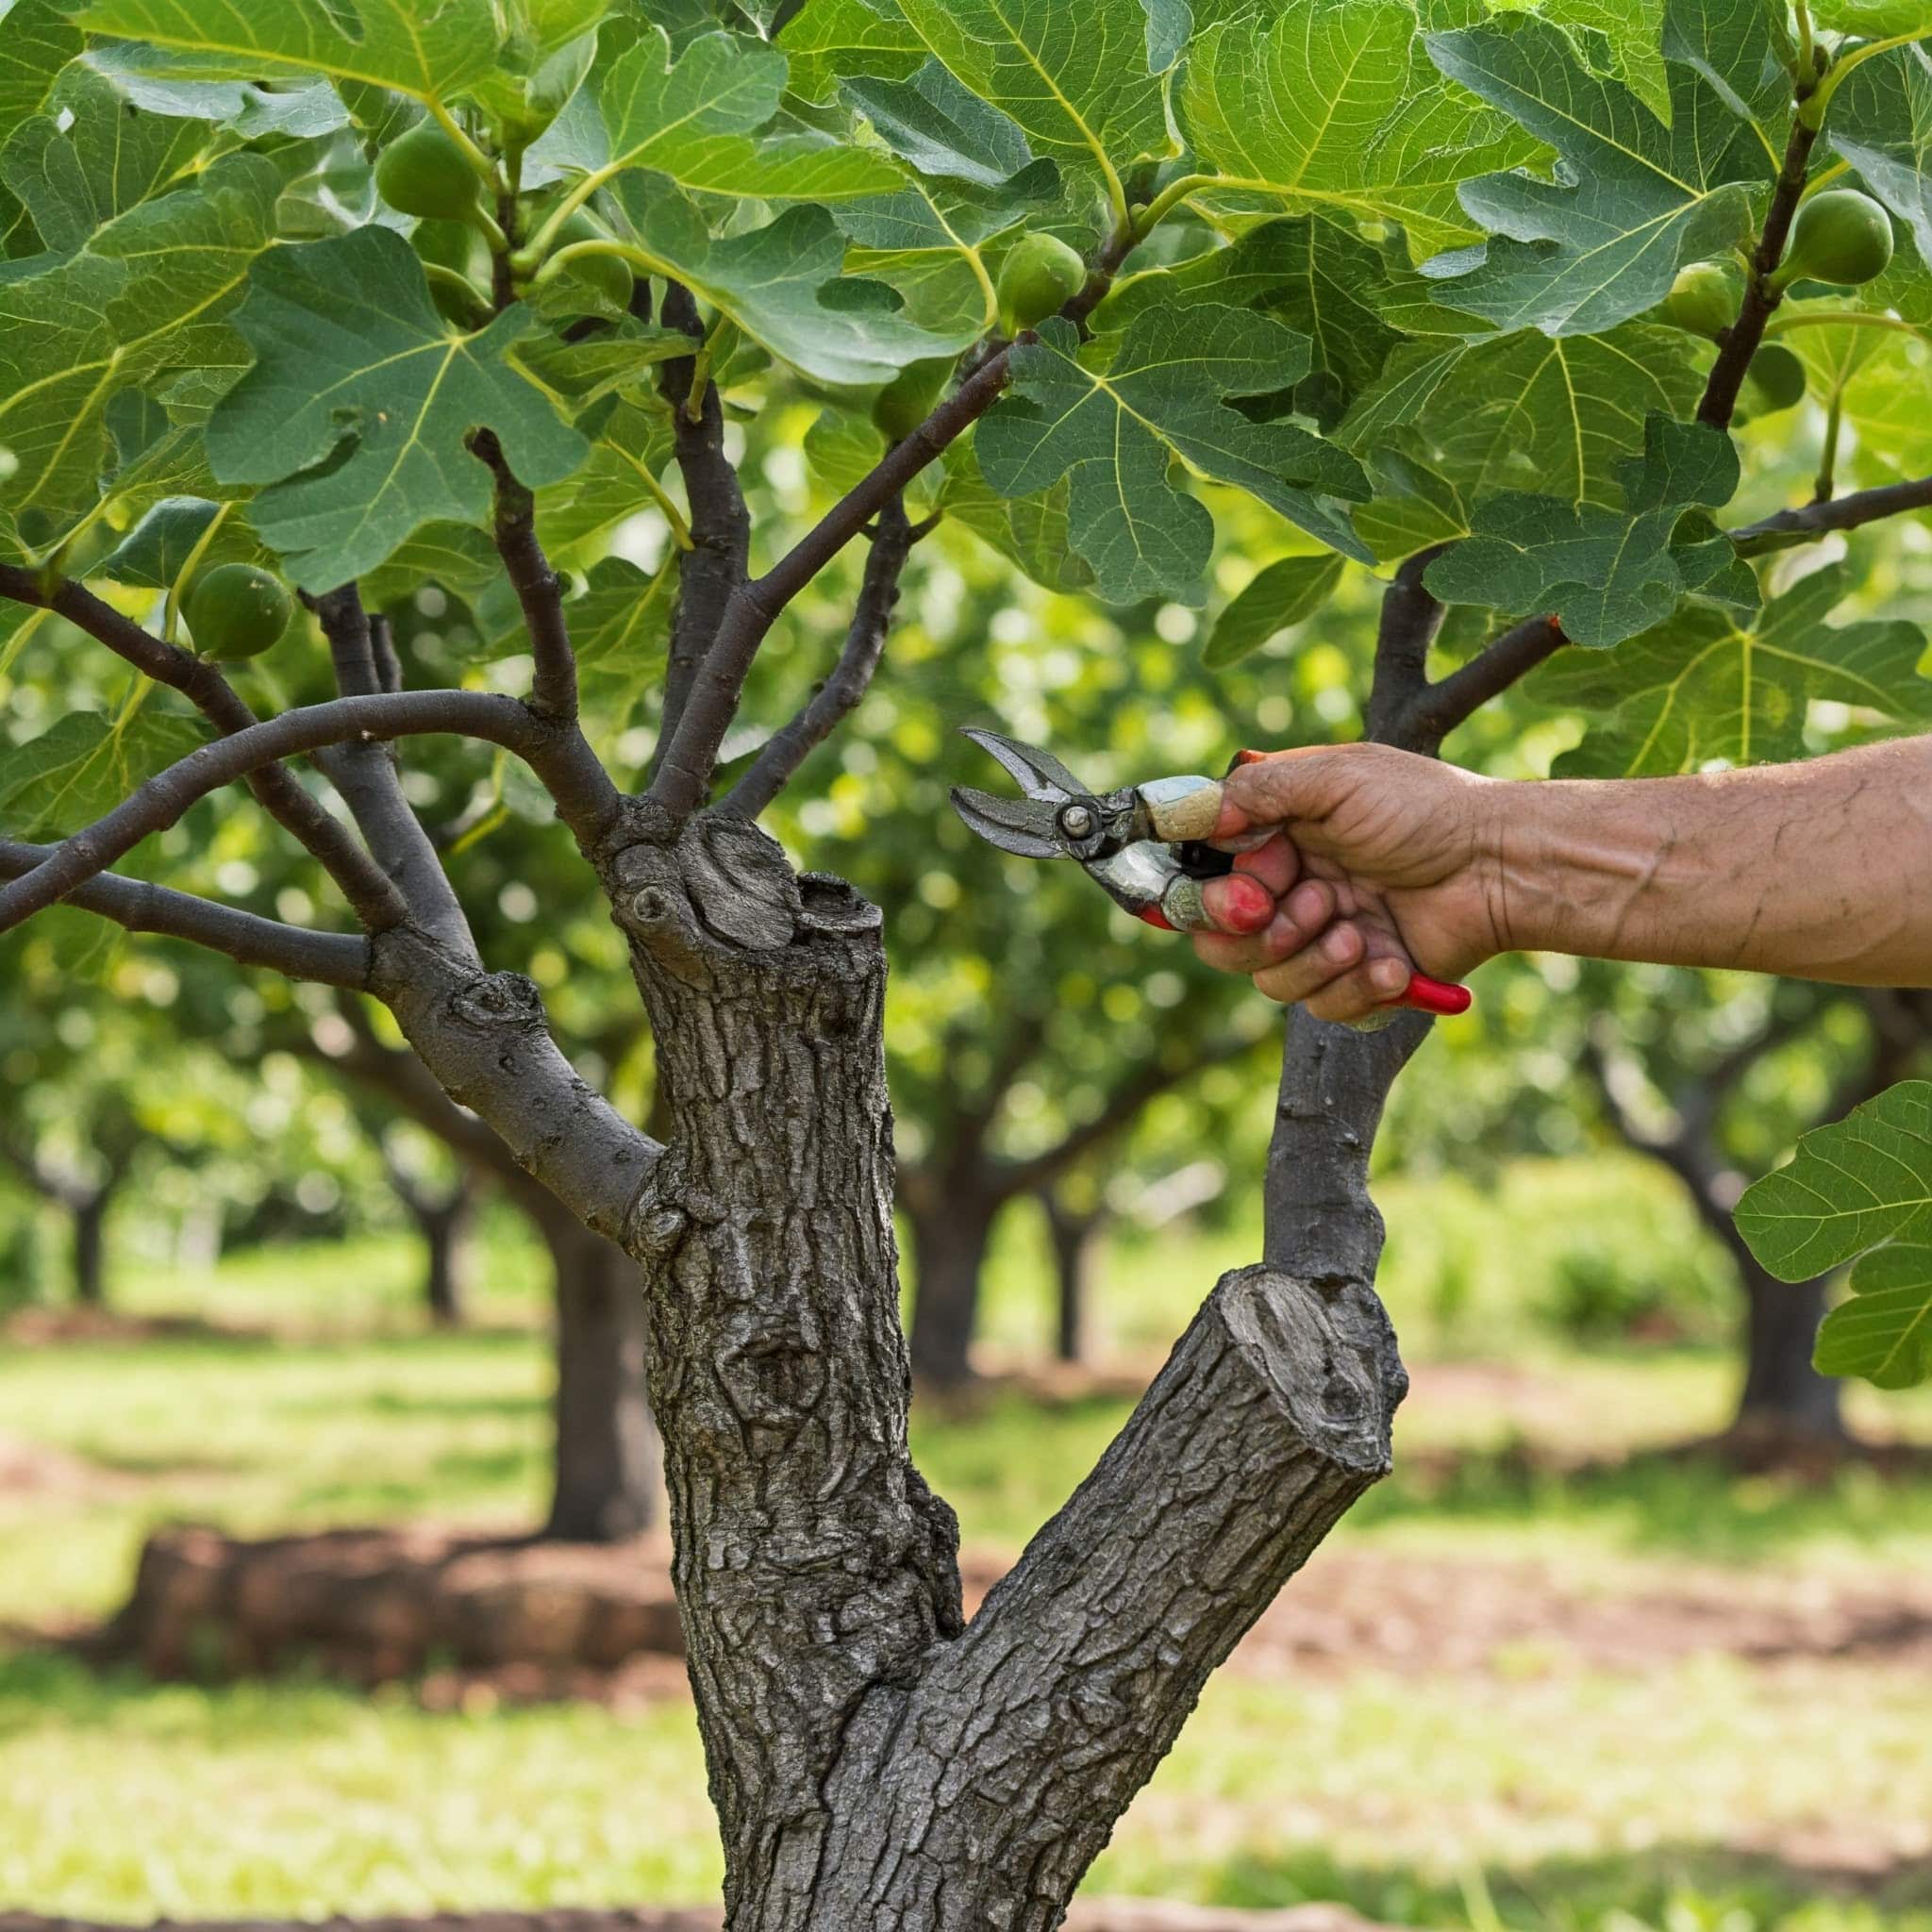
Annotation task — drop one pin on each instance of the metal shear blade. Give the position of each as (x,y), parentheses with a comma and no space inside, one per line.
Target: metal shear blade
(1037,773)
(1023,827)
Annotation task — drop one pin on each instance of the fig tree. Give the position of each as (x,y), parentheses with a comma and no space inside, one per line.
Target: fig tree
(1839,236)
(1040,274)
(236,611)
(425,172)
(1702,300)
(908,400)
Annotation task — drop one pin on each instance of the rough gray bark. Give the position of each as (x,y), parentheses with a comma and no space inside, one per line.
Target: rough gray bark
(874,1765)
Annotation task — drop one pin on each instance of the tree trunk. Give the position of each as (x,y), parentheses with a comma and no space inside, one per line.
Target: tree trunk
(1784,1397)
(445,1288)
(89,1213)
(1075,1238)
(950,1234)
(875,1765)
(605,1479)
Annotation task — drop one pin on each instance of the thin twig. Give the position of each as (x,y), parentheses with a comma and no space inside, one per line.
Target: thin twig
(1761,294)
(539,588)
(788,748)
(712,562)
(689,750)
(370,893)
(159,803)
(332,958)
(1815,519)
(366,775)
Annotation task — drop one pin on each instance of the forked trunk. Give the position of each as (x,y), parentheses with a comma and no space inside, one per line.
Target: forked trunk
(606,1479)
(876,1766)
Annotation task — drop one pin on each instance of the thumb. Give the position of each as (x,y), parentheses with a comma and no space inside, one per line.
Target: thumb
(1278,787)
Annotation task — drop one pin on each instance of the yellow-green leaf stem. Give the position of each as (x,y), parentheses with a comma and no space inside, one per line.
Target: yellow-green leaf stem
(1813,112)
(170,611)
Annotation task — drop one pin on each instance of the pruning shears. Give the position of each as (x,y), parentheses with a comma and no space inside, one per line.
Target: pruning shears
(1145,846)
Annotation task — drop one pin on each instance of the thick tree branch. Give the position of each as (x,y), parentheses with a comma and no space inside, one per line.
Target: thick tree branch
(1437,712)
(787,747)
(998,1775)
(485,1039)
(539,588)
(364,771)
(717,562)
(372,898)
(1761,297)
(162,801)
(1815,519)
(332,958)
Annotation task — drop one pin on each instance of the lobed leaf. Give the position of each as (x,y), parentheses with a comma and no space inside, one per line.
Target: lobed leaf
(85,764)
(1861,1185)
(1114,422)
(427,48)
(354,417)
(1332,105)
(1881,122)
(150,292)
(1606,575)
(1634,199)
(1703,688)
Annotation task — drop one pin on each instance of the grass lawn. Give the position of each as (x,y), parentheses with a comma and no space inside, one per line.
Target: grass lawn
(1704,1794)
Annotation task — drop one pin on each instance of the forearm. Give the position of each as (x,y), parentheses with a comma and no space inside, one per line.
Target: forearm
(1820,870)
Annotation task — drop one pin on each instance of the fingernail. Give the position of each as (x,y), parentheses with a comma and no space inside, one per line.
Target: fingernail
(1389,976)
(1339,945)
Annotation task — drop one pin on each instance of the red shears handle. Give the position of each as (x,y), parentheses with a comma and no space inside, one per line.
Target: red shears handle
(1423,994)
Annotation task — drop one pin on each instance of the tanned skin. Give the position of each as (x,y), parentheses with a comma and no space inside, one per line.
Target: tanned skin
(1387,862)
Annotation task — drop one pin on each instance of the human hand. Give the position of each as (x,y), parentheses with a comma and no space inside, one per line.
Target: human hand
(1386,862)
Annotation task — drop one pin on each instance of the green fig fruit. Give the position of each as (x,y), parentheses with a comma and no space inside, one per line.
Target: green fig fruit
(1774,381)
(1839,236)
(1039,274)
(910,398)
(425,172)
(236,611)
(1702,300)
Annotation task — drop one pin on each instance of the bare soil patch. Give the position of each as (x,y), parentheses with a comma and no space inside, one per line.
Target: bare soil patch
(474,1619)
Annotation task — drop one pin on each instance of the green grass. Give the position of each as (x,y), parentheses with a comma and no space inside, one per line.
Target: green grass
(1703,1796)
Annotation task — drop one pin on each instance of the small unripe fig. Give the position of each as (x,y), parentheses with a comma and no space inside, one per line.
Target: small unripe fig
(1774,381)
(425,172)
(1839,236)
(1702,300)
(1040,274)
(236,611)
(909,399)
(609,277)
